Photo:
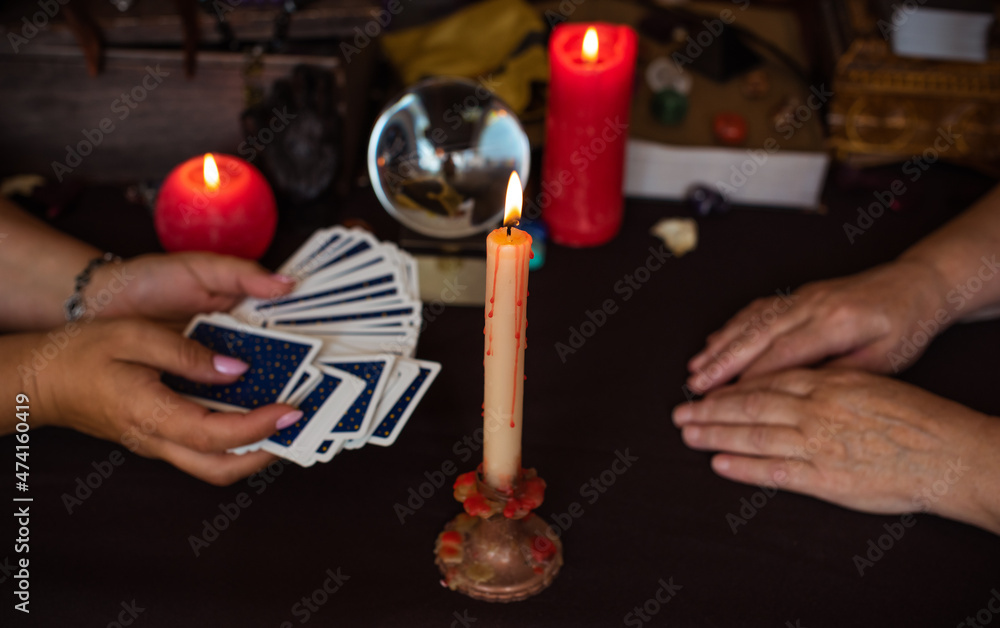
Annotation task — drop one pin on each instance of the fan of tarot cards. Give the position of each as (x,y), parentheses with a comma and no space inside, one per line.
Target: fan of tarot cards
(339,347)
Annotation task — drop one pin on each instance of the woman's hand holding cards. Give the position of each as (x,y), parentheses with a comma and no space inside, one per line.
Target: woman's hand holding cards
(175,287)
(106,382)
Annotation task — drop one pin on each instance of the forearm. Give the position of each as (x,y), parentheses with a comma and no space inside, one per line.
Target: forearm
(18,376)
(965,254)
(37,268)
(974,481)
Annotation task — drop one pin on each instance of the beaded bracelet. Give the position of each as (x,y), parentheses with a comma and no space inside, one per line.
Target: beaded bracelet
(75,305)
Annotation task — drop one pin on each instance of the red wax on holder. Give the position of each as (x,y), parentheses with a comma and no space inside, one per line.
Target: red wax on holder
(216,203)
(590,96)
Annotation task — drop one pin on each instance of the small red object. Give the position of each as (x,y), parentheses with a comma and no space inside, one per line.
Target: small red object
(451,538)
(542,549)
(730,128)
(224,207)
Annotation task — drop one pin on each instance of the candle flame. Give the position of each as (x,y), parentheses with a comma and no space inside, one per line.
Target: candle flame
(590,45)
(210,172)
(512,208)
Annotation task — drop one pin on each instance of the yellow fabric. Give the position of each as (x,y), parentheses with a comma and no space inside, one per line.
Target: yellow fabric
(475,42)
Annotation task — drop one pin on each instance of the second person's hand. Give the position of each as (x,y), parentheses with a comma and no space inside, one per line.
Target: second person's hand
(853,321)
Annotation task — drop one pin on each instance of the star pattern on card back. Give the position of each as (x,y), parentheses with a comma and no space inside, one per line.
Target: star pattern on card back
(370,372)
(273,363)
(396,412)
(309,407)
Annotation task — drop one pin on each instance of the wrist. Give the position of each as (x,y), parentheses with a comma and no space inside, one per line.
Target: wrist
(970,484)
(929,287)
(986,482)
(29,357)
(104,295)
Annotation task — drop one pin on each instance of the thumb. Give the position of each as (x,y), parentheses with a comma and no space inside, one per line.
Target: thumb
(158,347)
(222,274)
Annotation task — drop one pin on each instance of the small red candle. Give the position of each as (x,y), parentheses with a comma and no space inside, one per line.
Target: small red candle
(216,203)
(590,95)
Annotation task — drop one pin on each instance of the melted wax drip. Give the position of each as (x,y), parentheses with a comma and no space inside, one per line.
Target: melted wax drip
(493,296)
(519,281)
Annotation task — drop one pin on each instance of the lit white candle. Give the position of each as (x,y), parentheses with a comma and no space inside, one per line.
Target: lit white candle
(508,251)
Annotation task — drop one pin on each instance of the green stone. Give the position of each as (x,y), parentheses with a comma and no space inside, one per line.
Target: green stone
(669,106)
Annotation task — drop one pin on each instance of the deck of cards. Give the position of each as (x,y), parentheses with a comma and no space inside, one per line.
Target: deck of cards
(339,347)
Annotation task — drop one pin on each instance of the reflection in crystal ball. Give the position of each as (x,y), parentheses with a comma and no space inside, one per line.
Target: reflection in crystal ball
(440,156)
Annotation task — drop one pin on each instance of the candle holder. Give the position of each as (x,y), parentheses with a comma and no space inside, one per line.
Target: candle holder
(498,550)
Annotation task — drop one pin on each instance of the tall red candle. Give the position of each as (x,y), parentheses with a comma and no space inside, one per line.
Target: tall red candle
(586,130)
(216,203)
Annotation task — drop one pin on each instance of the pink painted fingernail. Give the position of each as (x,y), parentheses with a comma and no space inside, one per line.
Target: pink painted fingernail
(683,414)
(283,278)
(288,419)
(229,366)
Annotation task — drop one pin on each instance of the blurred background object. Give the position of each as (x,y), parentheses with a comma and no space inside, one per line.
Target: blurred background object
(296,131)
(889,108)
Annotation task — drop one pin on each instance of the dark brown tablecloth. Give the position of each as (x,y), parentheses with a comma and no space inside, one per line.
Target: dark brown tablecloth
(663,519)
